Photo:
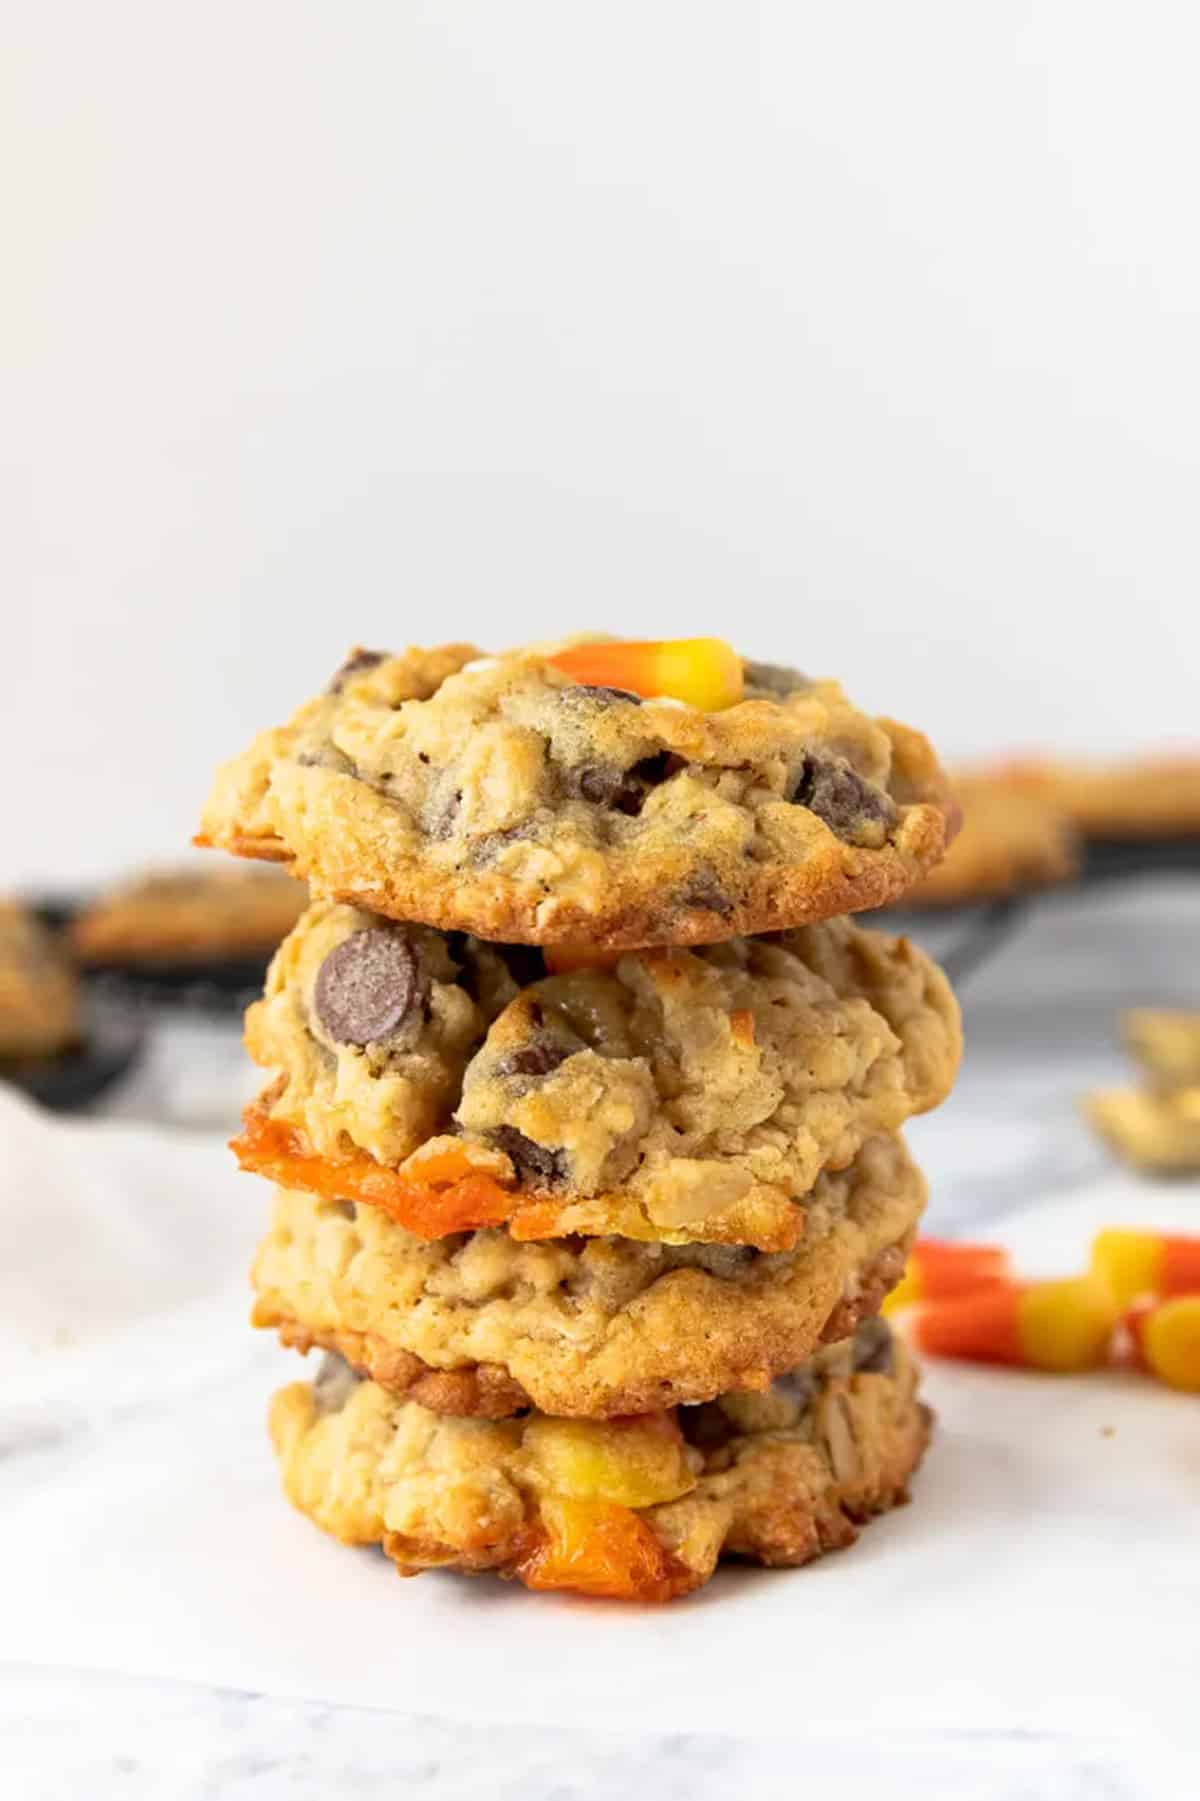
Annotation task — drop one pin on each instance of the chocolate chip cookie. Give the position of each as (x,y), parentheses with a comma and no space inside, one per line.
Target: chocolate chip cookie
(497,796)
(40,1012)
(189,916)
(674,1095)
(479,1323)
(637,1509)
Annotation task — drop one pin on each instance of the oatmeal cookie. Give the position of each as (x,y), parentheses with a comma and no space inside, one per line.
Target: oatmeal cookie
(497,796)
(1158,1133)
(677,1095)
(1166,1043)
(189,916)
(637,1509)
(1140,797)
(479,1323)
(39,995)
(1011,839)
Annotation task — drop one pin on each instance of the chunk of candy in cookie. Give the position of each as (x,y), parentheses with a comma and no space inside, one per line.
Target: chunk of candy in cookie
(1063,1326)
(636,1462)
(598,1548)
(1166,1341)
(703,672)
(562,959)
(940,1268)
(1132,1263)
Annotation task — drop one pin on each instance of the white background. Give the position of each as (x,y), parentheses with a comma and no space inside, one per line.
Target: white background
(863,333)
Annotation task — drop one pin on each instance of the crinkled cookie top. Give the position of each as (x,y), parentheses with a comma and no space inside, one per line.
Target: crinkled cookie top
(499,796)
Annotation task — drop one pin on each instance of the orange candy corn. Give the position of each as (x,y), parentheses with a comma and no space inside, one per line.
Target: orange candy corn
(1133,1263)
(703,672)
(561,959)
(1166,1340)
(939,1268)
(1062,1326)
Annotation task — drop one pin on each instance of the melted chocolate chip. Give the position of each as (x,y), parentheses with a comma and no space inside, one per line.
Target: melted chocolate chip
(368,986)
(599,783)
(623,790)
(581,692)
(873,1347)
(334,1383)
(539,1057)
(832,789)
(775,678)
(535,1162)
(327,756)
(703,890)
(798,1386)
(357,663)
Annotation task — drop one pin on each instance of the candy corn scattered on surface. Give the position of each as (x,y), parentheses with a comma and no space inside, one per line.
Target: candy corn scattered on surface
(1132,1263)
(1167,1341)
(940,1268)
(1063,1326)
(701,672)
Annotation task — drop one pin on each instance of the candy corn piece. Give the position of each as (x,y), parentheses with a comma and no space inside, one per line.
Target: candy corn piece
(1166,1340)
(939,1268)
(1060,1326)
(703,672)
(1133,1263)
(561,959)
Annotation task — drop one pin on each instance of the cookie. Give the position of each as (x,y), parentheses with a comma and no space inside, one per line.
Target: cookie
(189,917)
(638,1509)
(480,1323)
(1158,1133)
(1166,1043)
(1012,839)
(495,795)
(1140,797)
(40,1011)
(676,1095)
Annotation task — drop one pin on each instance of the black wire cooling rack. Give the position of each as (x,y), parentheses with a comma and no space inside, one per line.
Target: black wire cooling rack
(970,934)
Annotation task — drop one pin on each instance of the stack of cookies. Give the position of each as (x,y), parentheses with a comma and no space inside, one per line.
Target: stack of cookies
(584,1107)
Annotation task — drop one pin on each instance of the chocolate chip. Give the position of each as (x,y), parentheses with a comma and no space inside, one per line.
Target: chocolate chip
(537,1058)
(775,678)
(832,789)
(599,783)
(625,790)
(334,1383)
(798,1386)
(703,890)
(535,1161)
(367,987)
(326,756)
(581,692)
(357,663)
(873,1347)
(347,1209)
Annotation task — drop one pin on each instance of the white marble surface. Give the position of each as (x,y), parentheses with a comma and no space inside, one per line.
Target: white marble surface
(1040,1028)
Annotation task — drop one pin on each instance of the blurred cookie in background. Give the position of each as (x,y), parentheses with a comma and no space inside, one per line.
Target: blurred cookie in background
(40,1010)
(1012,838)
(1165,1042)
(188,917)
(1138,797)
(1155,1127)
(1156,1133)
